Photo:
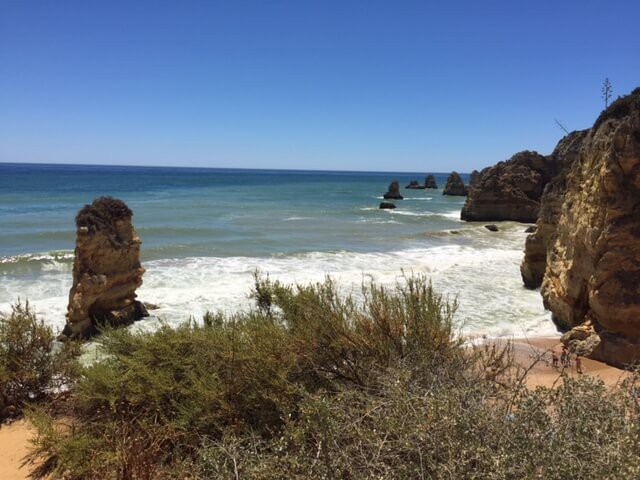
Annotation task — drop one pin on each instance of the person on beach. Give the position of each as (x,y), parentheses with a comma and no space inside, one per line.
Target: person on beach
(554,359)
(578,364)
(564,357)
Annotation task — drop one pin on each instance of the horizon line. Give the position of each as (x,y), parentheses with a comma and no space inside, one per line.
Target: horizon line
(311,170)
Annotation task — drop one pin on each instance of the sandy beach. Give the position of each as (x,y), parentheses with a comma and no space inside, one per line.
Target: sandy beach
(14,445)
(528,350)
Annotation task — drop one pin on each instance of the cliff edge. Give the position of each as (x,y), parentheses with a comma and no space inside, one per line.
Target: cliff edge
(592,279)
(538,243)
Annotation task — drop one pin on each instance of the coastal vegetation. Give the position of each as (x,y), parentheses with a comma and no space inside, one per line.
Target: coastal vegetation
(32,367)
(311,383)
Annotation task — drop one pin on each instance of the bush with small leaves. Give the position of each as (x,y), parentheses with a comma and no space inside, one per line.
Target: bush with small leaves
(31,365)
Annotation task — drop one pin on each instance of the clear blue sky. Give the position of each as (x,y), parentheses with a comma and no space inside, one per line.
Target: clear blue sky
(349,85)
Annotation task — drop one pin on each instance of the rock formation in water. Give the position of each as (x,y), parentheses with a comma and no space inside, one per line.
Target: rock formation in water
(491,227)
(430,182)
(414,185)
(387,206)
(106,269)
(455,185)
(592,280)
(538,243)
(473,178)
(393,192)
(510,190)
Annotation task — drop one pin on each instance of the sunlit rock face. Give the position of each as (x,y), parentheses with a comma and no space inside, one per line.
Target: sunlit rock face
(510,190)
(106,269)
(566,153)
(592,279)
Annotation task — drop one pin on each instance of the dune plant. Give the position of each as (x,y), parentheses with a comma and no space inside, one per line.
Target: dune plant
(31,367)
(315,384)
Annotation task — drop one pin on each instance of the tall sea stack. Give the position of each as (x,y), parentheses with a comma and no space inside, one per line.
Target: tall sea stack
(106,269)
(393,192)
(455,185)
(430,182)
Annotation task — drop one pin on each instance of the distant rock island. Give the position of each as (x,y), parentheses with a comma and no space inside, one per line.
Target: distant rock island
(414,185)
(393,192)
(429,182)
(455,185)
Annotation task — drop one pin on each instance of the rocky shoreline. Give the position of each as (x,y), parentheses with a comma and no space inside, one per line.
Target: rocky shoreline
(585,251)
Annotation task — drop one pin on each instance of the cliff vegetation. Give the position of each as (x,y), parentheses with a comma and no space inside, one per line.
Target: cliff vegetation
(314,384)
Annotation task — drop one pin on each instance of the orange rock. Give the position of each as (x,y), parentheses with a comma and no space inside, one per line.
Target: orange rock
(106,270)
(593,267)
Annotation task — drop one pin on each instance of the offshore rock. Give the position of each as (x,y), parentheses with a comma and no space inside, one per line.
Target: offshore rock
(566,153)
(593,268)
(474,178)
(430,182)
(387,205)
(414,185)
(393,192)
(455,185)
(106,270)
(491,227)
(510,190)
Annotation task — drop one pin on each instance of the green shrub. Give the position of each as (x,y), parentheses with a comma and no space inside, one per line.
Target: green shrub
(30,367)
(313,384)
(407,430)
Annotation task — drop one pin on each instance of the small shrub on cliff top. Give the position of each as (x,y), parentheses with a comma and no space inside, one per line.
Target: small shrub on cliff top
(30,366)
(622,107)
(102,213)
(316,385)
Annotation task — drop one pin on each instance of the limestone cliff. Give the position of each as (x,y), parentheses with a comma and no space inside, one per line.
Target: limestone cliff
(455,185)
(510,190)
(592,279)
(536,245)
(106,269)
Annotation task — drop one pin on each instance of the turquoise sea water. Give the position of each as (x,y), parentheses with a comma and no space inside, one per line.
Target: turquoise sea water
(205,231)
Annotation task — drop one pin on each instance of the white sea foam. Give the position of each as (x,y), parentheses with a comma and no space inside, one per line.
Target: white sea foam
(419,199)
(376,221)
(487,281)
(38,257)
(454,215)
(411,214)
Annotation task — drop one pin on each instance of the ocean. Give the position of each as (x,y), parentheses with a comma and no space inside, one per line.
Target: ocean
(206,231)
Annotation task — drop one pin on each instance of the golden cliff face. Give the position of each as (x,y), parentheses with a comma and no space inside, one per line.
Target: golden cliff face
(106,270)
(566,153)
(592,278)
